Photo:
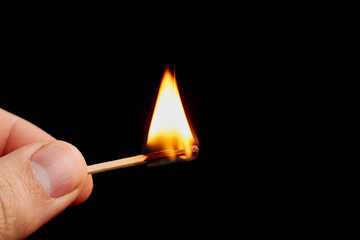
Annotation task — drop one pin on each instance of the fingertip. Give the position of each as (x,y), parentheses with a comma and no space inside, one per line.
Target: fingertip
(59,167)
(85,191)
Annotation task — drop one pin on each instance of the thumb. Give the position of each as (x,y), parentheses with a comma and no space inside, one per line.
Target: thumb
(37,182)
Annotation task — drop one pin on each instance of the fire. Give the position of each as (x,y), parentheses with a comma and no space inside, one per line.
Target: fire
(169,128)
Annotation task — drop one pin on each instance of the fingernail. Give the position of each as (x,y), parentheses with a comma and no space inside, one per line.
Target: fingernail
(59,168)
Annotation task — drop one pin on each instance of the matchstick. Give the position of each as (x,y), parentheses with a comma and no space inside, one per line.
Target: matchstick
(137,160)
(115,164)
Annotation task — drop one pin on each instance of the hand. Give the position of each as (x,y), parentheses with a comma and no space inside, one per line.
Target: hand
(39,177)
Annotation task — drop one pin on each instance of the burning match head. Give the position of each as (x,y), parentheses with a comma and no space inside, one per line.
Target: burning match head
(170,130)
(171,156)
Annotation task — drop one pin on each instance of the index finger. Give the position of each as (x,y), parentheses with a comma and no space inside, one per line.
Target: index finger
(16,132)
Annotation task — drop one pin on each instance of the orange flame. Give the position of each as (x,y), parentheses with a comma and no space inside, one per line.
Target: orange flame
(169,128)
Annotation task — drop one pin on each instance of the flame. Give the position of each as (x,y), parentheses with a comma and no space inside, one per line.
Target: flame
(169,128)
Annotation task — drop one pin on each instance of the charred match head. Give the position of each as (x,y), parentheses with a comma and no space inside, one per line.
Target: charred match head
(171,156)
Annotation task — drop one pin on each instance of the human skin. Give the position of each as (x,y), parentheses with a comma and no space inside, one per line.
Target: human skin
(39,176)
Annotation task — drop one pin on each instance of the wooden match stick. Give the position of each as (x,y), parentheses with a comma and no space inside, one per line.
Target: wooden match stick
(137,160)
(115,164)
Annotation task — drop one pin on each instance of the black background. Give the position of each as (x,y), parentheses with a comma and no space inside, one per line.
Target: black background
(270,90)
